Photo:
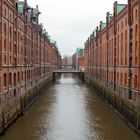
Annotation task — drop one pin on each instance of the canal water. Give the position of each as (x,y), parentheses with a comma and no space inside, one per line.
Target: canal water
(69,110)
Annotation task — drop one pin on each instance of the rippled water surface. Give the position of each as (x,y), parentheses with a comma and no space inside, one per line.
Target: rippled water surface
(69,110)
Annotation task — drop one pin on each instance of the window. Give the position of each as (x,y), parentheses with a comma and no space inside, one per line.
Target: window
(136,58)
(5,12)
(25,75)
(29,74)
(118,27)
(125,47)
(10,59)
(136,14)
(5,80)
(15,62)
(4,59)
(14,79)
(122,49)
(125,79)
(121,77)
(18,77)
(115,42)
(10,79)
(5,37)
(135,81)
(22,75)
(10,16)
(5,29)
(10,36)
(122,24)
(125,21)
(136,43)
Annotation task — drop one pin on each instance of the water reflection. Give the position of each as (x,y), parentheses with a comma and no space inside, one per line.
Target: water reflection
(69,111)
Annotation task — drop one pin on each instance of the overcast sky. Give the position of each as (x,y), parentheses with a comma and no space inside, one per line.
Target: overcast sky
(70,22)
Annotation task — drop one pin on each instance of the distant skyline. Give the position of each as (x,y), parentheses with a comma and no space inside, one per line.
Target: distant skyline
(70,22)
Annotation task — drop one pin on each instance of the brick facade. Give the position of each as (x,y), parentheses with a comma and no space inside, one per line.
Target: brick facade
(81,63)
(112,52)
(26,54)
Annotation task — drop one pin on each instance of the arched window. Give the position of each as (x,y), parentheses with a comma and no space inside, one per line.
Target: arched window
(125,79)
(29,74)
(22,75)
(121,49)
(5,59)
(5,37)
(122,24)
(136,44)
(121,77)
(135,81)
(14,79)
(10,59)
(136,14)
(5,29)
(25,75)
(10,37)
(10,79)
(125,47)
(18,77)
(16,7)
(5,80)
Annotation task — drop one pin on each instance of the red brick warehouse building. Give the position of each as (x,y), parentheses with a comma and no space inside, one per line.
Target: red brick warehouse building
(112,52)
(81,63)
(27,55)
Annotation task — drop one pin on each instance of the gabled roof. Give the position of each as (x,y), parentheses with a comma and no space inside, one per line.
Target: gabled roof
(120,7)
(103,26)
(95,33)
(110,17)
(20,6)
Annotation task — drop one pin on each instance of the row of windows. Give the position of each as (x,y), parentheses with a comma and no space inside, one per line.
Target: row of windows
(10,36)
(123,80)
(135,15)
(5,78)
(17,78)
(123,24)
(17,60)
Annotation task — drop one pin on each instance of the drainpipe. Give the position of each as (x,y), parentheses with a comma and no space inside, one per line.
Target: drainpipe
(115,47)
(139,48)
(107,22)
(130,47)
(138,117)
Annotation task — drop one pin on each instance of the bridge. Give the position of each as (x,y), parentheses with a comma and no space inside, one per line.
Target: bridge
(68,71)
(81,74)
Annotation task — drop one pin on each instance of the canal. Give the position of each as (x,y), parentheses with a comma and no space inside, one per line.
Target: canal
(69,110)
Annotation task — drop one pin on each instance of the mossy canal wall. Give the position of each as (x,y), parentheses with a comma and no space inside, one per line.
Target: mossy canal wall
(129,113)
(11,111)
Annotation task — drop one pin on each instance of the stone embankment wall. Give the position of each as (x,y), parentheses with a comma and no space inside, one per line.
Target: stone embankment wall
(11,111)
(126,111)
